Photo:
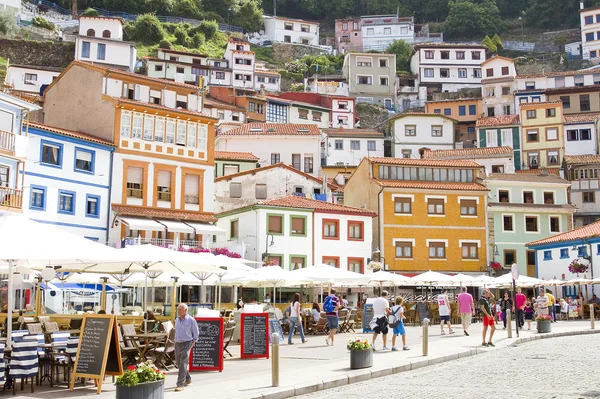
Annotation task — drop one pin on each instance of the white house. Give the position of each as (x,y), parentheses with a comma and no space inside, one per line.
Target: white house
(179,66)
(493,159)
(67,179)
(413,132)
(241,60)
(498,85)
(448,66)
(30,79)
(582,172)
(298,145)
(590,32)
(267,182)
(266,79)
(349,146)
(289,30)
(223,111)
(298,232)
(13,6)
(100,40)
(581,134)
(301,112)
(378,31)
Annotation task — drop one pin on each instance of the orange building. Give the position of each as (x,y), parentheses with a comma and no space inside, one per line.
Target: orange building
(465,111)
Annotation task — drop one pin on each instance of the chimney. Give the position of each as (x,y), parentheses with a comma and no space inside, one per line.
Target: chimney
(581,5)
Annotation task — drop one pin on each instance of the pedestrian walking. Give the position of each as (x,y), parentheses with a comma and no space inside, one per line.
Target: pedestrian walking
(528,310)
(296,319)
(398,312)
(466,309)
(444,310)
(186,333)
(331,306)
(381,308)
(551,304)
(488,317)
(541,303)
(506,304)
(520,300)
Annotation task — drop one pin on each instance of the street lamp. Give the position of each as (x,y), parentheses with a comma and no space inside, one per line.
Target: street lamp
(267,245)
(587,256)
(378,252)
(522,29)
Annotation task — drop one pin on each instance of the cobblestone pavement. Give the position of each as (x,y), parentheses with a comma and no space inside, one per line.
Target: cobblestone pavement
(557,368)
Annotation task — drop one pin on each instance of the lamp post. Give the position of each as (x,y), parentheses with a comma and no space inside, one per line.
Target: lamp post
(378,252)
(522,30)
(267,245)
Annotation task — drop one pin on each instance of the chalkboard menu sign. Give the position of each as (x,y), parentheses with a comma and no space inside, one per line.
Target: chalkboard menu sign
(275,327)
(254,331)
(207,352)
(367,317)
(98,352)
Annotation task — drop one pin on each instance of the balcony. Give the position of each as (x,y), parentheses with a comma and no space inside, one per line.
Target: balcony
(7,142)
(11,198)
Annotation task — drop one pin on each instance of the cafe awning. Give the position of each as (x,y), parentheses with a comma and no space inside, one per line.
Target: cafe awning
(142,224)
(205,228)
(175,226)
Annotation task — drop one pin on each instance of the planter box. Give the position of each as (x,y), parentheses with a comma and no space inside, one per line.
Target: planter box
(147,390)
(544,326)
(361,359)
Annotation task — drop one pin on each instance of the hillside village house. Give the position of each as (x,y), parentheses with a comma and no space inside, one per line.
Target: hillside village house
(413,132)
(371,78)
(590,32)
(255,106)
(581,134)
(431,213)
(179,66)
(293,144)
(582,172)
(379,31)
(542,135)
(265,183)
(298,232)
(14,113)
(464,110)
(341,109)
(228,163)
(348,34)
(447,67)
(289,30)
(29,79)
(68,175)
(100,40)
(524,207)
(501,131)
(266,79)
(498,86)
(350,146)
(493,159)
(162,185)
(223,111)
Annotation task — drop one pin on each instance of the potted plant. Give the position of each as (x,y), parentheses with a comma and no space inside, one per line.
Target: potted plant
(361,353)
(375,266)
(543,323)
(495,265)
(142,381)
(577,267)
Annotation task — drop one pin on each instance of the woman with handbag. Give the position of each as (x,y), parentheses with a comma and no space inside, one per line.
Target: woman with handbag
(397,312)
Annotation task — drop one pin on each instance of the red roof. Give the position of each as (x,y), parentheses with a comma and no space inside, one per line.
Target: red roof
(492,121)
(582,159)
(342,132)
(212,102)
(589,231)
(527,105)
(235,156)
(430,185)
(550,171)
(263,168)
(131,210)
(462,153)
(583,118)
(293,201)
(426,162)
(70,133)
(273,129)
(127,101)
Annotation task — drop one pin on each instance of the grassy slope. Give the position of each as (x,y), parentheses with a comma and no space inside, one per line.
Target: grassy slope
(213,48)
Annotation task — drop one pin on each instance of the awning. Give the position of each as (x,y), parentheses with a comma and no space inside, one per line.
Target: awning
(204,228)
(176,227)
(142,224)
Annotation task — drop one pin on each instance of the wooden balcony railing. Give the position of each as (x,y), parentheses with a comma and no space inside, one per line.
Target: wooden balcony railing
(11,197)
(7,141)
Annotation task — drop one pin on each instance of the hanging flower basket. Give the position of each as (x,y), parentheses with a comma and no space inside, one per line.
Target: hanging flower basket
(375,266)
(496,265)
(577,267)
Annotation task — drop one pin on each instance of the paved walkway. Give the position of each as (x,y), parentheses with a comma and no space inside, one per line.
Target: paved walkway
(314,366)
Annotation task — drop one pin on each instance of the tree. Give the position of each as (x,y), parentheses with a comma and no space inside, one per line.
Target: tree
(249,16)
(552,13)
(148,29)
(161,7)
(402,51)
(90,12)
(187,9)
(8,24)
(489,44)
(467,18)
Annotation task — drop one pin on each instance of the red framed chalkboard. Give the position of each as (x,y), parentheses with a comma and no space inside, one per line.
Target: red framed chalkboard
(254,335)
(207,353)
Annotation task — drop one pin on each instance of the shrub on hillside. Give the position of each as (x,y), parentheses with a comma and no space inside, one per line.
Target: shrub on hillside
(208,28)
(90,12)
(198,40)
(181,36)
(170,27)
(148,29)
(8,25)
(42,23)
(165,44)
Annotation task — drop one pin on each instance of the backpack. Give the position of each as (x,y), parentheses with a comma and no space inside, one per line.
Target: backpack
(393,320)
(328,305)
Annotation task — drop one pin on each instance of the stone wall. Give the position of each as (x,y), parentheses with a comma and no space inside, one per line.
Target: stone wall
(29,52)
(288,52)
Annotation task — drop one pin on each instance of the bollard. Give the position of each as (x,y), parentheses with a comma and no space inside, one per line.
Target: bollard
(275,359)
(592,318)
(508,323)
(425,337)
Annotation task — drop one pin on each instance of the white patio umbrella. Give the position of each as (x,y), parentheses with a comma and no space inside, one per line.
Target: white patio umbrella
(381,277)
(432,278)
(321,273)
(506,280)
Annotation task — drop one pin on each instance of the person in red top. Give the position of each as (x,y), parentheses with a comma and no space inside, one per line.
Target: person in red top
(520,300)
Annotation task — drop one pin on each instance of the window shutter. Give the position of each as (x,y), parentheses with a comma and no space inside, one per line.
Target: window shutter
(135,175)
(164,179)
(191,185)
(235,190)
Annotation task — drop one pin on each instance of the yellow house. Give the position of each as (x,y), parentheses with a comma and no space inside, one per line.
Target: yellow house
(431,213)
(542,131)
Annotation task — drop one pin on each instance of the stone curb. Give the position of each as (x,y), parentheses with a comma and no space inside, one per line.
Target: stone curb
(365,375)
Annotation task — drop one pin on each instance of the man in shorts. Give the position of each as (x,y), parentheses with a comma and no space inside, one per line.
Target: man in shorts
(488,317)
(332,317)
(444,309)
(381,308)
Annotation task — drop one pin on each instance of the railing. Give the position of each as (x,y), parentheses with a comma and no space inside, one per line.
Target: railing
(160,242)
(135,192)
(192,199)
(164,196)
(7,141)
(11,197)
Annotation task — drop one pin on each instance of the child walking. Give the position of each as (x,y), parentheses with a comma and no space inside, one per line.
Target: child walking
(528,314)
(398,311)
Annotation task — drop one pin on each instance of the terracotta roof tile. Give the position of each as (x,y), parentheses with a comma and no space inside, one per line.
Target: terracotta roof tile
(565,73)
(70,133)
(266,72)
(527,177)
(498,80)
(527,105)
(474,153)
(589,231)
(293,201)
(583,118)
(430,185)
(424,114)
(273,129)
(553,171)
(235,156)
(492,121)
(538,206)
(582,159)
(121,20)
(425,162)
(353,132)
(127,101)
(131,210)
(263,168)
(211,102)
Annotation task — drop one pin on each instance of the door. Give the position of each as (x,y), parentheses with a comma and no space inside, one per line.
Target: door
(531,264)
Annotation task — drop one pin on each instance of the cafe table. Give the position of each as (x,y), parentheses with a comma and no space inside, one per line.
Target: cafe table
(48,349)
(151,341)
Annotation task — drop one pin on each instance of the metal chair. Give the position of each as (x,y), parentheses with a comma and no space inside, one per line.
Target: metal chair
(163,353)
(228,336)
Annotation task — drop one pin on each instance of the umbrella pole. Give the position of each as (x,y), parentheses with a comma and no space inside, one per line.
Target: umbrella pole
(38,298)
(145,289)
(173,298)
(103,295)
(9,304)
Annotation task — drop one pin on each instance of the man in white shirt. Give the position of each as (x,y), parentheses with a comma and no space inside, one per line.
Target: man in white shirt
(444,309)
(381,308)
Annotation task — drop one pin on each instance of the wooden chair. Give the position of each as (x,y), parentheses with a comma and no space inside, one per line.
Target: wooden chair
(51,327)
(24,363)
(128,351)
(75,324)
(43,319)
(166,326)
(348,323)
(35,328)
(320,327)
(163,355)
(228,336)
(410,316)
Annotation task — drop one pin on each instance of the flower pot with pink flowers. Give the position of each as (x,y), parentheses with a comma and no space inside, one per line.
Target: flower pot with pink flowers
(142,381)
